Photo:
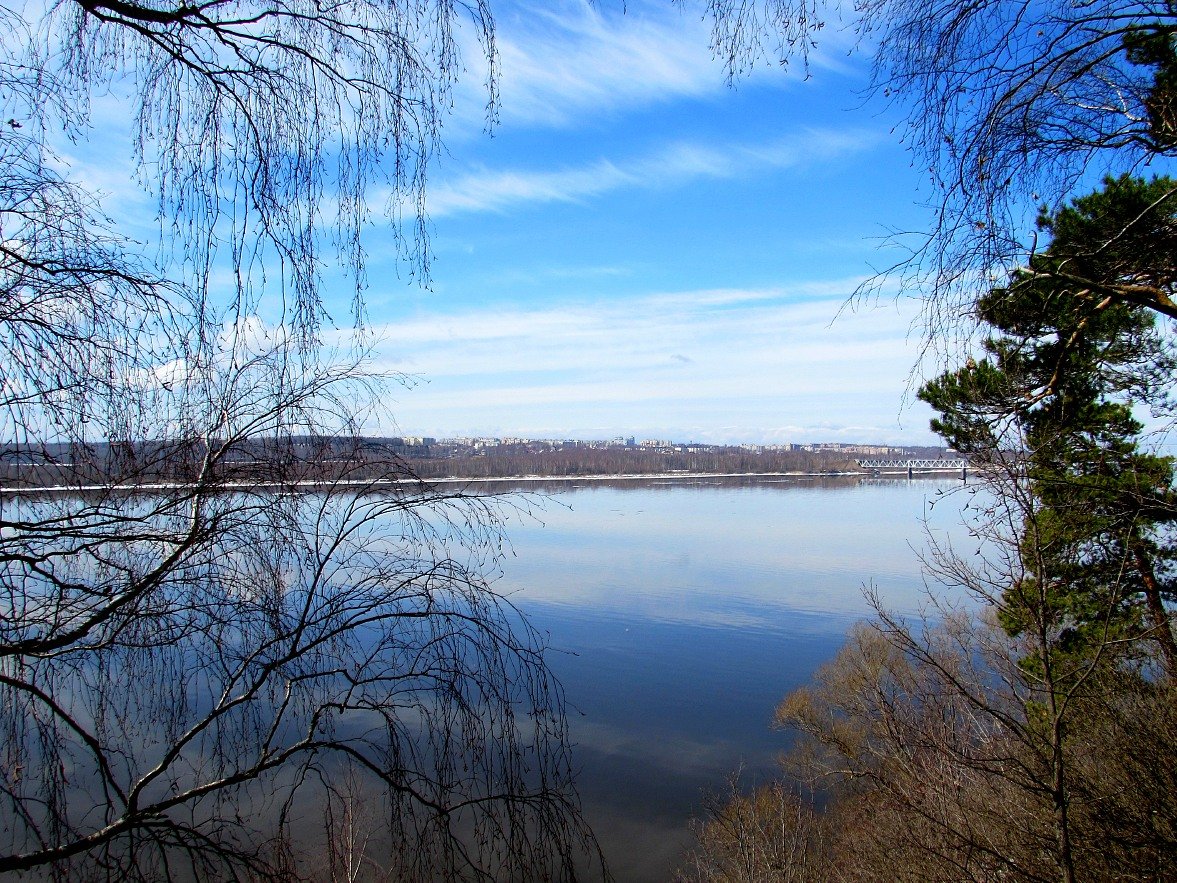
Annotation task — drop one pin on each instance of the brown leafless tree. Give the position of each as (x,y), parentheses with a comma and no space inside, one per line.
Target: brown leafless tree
(773,834)
(942,748)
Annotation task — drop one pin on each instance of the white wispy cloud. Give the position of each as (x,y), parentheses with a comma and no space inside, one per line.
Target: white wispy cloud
(761,363)
(487,190)
(495,191)
(565,61)
(557,66)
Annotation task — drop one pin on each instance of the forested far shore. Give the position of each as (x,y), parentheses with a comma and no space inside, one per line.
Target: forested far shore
(563,459)
(328,458)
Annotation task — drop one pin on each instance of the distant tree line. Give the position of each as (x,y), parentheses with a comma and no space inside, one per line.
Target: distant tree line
(515,460)
(291,460)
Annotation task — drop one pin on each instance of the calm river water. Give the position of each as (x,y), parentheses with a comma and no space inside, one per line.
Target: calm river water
(682,612)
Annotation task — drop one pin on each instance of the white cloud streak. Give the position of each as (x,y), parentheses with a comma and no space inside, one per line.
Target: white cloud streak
(676,164)
(565,61)
(744,365)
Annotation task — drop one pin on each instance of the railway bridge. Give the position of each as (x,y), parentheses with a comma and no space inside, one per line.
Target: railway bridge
(912,466)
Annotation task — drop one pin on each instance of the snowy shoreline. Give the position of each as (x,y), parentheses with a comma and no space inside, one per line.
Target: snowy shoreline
(314,484)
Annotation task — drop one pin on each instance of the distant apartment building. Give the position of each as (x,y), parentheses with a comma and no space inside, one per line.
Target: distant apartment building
(844,448)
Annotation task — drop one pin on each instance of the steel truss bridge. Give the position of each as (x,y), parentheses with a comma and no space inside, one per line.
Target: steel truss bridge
(940,464)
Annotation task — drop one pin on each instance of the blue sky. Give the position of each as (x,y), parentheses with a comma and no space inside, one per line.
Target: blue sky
(641,248)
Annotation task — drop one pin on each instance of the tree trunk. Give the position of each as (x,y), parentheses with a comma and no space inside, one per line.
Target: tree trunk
(1156,610)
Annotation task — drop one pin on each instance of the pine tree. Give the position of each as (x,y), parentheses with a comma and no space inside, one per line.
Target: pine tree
(1054,395)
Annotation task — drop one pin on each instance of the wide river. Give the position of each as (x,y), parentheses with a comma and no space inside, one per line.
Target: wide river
(681,612)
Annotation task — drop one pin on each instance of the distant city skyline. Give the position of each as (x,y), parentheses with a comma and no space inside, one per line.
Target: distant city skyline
(635,441)
(639,441)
